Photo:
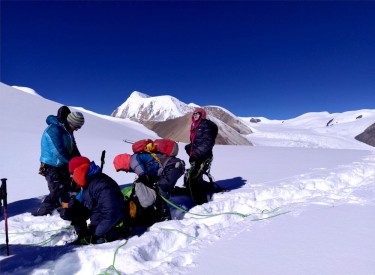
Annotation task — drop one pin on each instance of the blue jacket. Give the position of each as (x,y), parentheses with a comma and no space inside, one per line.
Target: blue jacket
(57,145)
(103,198)
(144,164)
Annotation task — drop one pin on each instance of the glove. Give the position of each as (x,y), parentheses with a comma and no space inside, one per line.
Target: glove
(65,198)
(88,236)
(42,169)
(188,148)
(193,160)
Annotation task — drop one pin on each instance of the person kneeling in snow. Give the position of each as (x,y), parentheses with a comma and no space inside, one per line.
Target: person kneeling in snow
(102,202)
(157,176)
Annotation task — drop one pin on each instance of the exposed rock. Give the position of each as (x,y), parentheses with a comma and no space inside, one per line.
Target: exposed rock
(179,129)
(254,120)
(358,117)
(329,123)
(368,136)
(229,119)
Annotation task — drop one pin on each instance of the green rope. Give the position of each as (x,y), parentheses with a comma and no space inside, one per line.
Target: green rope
(269,217)
(44,242)
(33,232)
(179,231)
(112,266)
(217,214)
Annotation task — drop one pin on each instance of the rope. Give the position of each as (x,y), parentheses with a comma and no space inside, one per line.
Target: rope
(112,266)
(218,214)
(44,232)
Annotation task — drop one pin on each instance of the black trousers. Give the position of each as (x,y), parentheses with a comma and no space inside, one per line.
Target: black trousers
(58,180)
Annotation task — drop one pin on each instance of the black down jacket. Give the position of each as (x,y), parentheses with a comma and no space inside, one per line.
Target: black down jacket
(103,197)
(204,140)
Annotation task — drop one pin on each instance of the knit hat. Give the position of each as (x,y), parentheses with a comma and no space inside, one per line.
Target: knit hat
(76,162)
(76,119)
(122,162)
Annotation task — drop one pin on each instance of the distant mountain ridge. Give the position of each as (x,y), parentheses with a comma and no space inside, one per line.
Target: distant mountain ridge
(170,118)
(342,127)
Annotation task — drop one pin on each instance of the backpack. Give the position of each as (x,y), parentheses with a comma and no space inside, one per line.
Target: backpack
(143,145)
(166,146)
(141,205)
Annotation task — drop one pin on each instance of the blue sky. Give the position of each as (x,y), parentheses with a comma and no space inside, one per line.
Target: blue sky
(274,59)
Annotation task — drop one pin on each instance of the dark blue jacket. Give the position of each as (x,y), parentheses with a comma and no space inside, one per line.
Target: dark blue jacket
(103,197)
(204,140)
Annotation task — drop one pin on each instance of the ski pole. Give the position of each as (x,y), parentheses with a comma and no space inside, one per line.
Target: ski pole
(128,141)
(102,160)
(4,198)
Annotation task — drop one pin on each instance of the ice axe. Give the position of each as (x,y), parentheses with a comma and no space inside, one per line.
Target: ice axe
(128,141)
(102,160)
(3,198)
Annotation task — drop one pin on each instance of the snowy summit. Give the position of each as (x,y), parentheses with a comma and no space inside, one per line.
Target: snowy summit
(141,107)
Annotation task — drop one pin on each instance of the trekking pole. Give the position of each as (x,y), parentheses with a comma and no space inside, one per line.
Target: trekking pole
(102,160)
(128,141)
(4,198)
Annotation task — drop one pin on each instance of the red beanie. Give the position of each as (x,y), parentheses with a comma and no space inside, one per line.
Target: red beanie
(76,162)
(122,162)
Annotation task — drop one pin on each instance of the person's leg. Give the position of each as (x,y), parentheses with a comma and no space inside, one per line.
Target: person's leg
(57,184)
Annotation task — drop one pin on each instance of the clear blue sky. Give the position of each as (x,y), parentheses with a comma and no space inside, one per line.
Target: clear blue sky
(273,59)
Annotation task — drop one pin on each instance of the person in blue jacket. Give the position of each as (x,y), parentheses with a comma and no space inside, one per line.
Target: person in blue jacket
(58,147)
(101,202)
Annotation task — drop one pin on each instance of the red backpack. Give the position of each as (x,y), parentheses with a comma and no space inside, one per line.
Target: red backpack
(143,145)
(166,146)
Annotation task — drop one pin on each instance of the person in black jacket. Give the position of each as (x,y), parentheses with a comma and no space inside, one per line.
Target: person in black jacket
(203,133)
(102,202)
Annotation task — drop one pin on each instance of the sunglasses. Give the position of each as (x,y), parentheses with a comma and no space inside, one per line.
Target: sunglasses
(196,113)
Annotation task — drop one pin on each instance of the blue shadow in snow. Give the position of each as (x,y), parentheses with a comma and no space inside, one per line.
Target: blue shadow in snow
(186,202)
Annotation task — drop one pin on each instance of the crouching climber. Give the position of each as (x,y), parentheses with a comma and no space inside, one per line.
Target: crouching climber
(98,198)
(157,175)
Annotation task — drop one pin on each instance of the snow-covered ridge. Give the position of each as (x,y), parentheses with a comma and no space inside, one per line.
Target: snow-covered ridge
(26,90)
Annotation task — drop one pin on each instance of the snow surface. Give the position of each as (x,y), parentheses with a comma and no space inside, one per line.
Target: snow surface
(301,201)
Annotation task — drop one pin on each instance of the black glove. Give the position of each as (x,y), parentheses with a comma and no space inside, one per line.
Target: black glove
(193,160)
(188,148)
(88,236)
(65,198)
(143,178)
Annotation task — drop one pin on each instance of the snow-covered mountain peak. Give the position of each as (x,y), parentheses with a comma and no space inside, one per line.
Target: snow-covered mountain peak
(136,95)
(141,107)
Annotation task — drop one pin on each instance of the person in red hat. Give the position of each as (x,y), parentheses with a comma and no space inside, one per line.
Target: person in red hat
(203,133)
(102,202)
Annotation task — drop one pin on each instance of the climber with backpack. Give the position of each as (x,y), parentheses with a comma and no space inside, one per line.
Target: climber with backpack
(158,171)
